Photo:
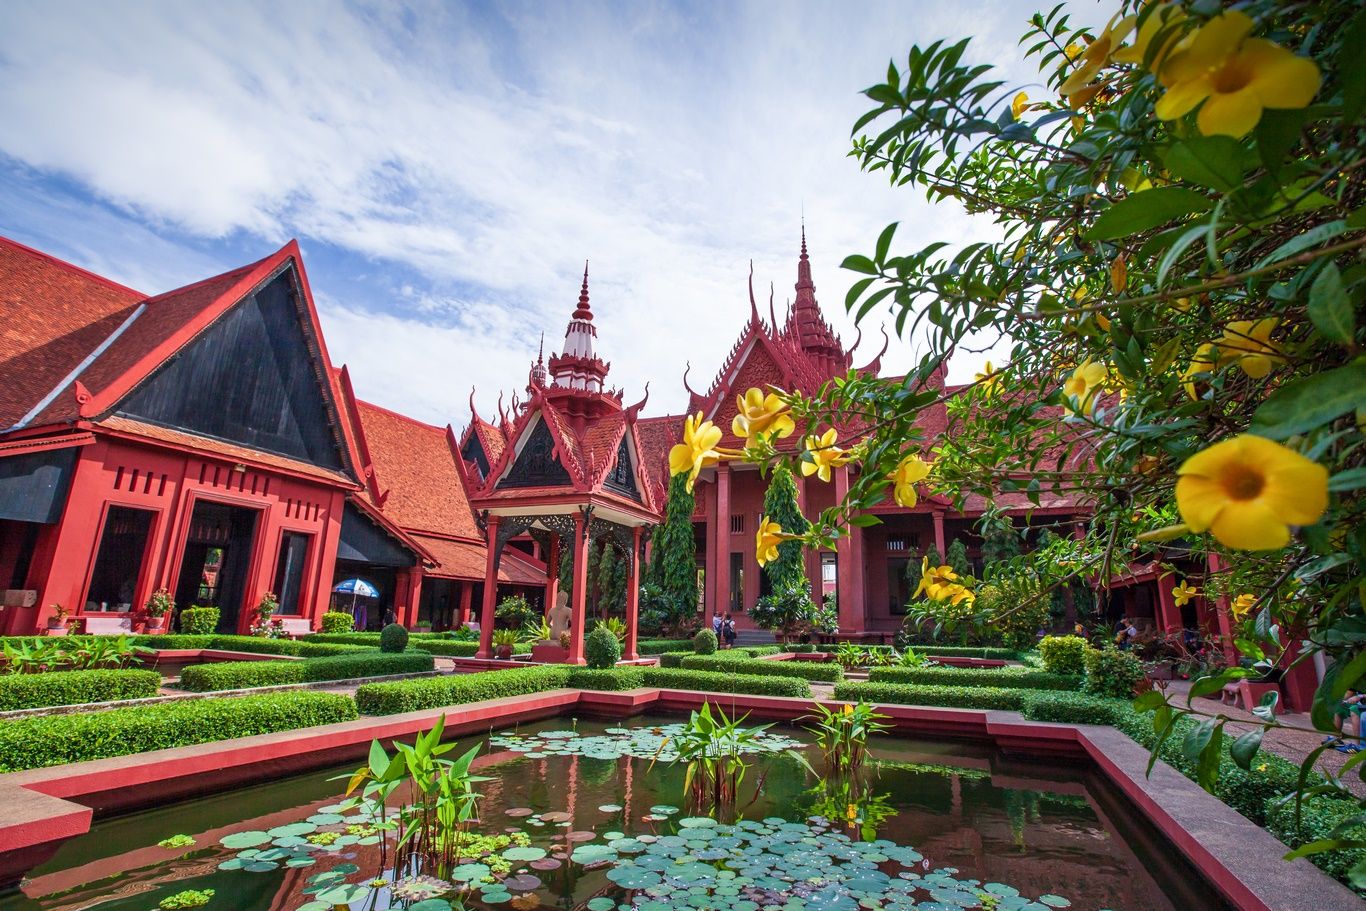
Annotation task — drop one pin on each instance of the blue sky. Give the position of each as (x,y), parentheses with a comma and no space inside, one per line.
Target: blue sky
(448,168)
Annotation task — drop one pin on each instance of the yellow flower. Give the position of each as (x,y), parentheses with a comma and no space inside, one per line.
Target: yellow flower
(851,813)
(912,469)
(1248,490)
(1248,343)
(1241,605)
(848,709)
(1183,593)
(987,378)
(1019,104)
(956,594)
(1235,76)
(1080,87)
(1079,390)
(1205,360)
(767,539)
(698,449)
(941,584)
(760,413)
(1161,19)
(822,455)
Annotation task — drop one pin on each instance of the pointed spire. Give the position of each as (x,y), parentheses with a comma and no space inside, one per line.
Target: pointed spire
(582,312)
(540,352)
(804,267)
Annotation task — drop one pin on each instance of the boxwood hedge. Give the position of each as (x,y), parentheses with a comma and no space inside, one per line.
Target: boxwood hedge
(31,691)
(612,678)
(47,740)
(1318,817)
(725,682)
(962,697)
(435,692)
(806,670)
(1013,678)
(232,675)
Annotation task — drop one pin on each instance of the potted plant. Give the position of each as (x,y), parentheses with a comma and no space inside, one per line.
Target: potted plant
(158,610)
(266,626)
(56,624)
(503,642)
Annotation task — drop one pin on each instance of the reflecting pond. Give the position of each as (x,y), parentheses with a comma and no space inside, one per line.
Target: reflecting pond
(587,814)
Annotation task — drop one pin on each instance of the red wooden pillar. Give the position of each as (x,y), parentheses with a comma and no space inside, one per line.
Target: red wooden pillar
(721,569)
(1222,616)
(848,574)
(490,592)
(939,543)
(409,617)
(466,600)
(710,558)
(579,599)
(1168,614)
(72,557)
(633,597)
(552,574)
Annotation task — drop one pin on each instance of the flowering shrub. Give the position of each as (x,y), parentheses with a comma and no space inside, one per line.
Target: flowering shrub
(338,622)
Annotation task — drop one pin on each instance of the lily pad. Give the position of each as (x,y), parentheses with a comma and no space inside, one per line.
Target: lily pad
(244,839)
(524,853)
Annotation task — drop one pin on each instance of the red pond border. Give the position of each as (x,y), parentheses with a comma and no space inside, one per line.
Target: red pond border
(46,807)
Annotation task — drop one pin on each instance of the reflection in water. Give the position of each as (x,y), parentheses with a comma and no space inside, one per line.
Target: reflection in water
(598,826)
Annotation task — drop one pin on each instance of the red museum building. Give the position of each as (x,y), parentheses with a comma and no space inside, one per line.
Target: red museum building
(203,442)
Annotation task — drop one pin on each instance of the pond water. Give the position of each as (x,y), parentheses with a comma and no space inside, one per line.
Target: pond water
(590,818)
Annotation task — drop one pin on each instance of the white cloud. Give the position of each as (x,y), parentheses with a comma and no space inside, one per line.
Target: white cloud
(491,153)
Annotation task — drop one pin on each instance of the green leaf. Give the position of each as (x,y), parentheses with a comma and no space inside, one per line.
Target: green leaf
(1351,479)
(1330,310)
(1210,161)
(1311,402)
(1311,238)
(1244,747)
(1189,236)
(858,263)
(1277,133)
(1147,209)
(884,242)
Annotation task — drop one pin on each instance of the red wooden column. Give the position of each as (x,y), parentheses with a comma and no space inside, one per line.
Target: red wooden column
(709,560)
(1168,614)
(579,599)
(633,598)
(721,569)
(490,592)
(414,598)
(849,581)
(552,573)
(1221,613)
(466,601)
(939,544)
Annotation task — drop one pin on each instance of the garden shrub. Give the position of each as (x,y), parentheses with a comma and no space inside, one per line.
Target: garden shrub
(961,697)
(231,675)
(673,659)
(611,678)
(29,743)
(1073,708)
(31,691)
(717,682)
(1010,678)
(335,621)
(199,621)
(803,648)
(1319,816)
(393,638)
(435,692)
(601,648)
(660,646)
(805,670)
(1063,654)
(755,651)
(1110,672)
(968,651)
(295,648)
(704,643)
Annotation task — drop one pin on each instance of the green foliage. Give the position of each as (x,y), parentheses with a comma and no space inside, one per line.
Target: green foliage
(601,648)
(970,676)
(726,682)
(726,663)
(188,898)
(515,612)
(1075,708)
(842,734)
(177,841)
(788,607)
(48,740)
(232,675)
(955,651)
(963,697)
(393,638)
(335,621)
(780,505)
(1110,672)
(803,648)
(710,745)
(704,643)
(435,692)
(31,691)
(678,555)
(1319,818)
(957,557)
(612,678)
(1063,654)
(203,621)
(672,659)
(660,646)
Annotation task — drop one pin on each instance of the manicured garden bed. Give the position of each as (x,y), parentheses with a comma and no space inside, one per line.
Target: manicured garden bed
(736,664)
(235,675)
(1014,677)
(53,688)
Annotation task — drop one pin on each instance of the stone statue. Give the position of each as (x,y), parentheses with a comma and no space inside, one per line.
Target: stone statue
(560,616)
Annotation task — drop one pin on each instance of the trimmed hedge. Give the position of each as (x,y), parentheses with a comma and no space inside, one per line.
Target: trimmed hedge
(972,676)
(234,675)
(1074,708)
(294,648)
(29,743)
(436,692)
(727,682)
(612,678)
(1318,817)
(959,697)
(967,651)
(672,659)
(32,691)
(805,670)
(646,647)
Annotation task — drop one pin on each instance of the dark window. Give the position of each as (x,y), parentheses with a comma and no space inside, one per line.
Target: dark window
(289,571)
(737,583)
(737,523)
(123,544)
(898,587)
(251,378)
(621,478)
(536,465)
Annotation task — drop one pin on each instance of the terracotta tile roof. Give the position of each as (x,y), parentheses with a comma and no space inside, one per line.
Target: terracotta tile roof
(52,316)
(657,436)
(120,424)
(417,472)
(491,438)
(467,559)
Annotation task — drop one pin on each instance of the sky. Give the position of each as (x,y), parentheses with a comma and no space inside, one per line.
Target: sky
(449,168)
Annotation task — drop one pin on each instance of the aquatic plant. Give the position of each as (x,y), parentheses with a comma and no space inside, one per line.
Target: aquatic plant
(190,898)
(176,841)
(429,828)
(711,745)
(845,800)
(842,735)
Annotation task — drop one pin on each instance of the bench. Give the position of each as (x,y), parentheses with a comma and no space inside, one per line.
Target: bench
(295,627)
(108,625)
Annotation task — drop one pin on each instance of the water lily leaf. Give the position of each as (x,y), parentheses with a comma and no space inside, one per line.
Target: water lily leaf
(244,839)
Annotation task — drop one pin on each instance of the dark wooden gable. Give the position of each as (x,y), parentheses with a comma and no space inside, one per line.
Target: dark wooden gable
(622,477)
(473,451)
(536,465)
(251,378)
